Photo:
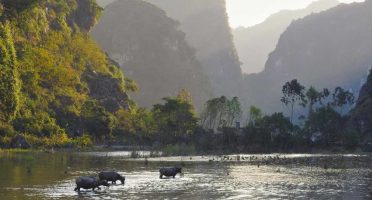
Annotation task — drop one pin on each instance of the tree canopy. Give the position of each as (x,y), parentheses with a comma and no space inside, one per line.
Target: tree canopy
(9,75)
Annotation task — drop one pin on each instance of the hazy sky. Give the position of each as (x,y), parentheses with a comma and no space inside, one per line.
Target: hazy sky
(251,12)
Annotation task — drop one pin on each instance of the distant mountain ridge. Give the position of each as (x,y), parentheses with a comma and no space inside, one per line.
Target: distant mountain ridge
(255,43)
(328,49)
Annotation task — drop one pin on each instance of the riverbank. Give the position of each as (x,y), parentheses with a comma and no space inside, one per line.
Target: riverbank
(150,152)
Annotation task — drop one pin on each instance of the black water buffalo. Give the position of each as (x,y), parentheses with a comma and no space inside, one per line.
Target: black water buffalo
(170,171)
(88,182)
(111,176)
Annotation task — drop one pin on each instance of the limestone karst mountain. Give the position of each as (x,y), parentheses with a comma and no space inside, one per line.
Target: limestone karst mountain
(207,30)
(149,47)
(361,115)
(328,49)
(255,43)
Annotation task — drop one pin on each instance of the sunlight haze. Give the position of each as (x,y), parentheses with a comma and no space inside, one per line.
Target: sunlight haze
(251,12)
(185,99)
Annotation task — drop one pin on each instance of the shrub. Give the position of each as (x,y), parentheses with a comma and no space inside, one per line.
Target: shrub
(57,140)
(5,141)
(83,141)
(6,129)
(33,140)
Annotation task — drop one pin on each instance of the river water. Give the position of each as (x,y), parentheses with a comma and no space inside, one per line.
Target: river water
(34,176)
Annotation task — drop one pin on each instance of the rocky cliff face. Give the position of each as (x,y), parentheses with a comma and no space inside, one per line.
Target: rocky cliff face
(107,90)
(255,43)
(361,115)
(150,48)
(205,24)
(328,49)
(87,14)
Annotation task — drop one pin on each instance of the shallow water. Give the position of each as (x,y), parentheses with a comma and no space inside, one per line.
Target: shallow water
(297,176)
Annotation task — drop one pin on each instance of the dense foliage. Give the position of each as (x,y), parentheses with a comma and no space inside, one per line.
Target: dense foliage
(324,126)
(49,66)
(221,112)
(9,80)
(175,118)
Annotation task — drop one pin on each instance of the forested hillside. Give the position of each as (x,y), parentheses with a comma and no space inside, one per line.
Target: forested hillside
(55,82)
(149,47)
(329,49)
(59,89)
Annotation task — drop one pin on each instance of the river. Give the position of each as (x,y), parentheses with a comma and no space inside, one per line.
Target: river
(40,175)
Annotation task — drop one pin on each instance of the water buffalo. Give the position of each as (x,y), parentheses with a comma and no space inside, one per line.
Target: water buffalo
(111,176)
(87,182)
(170,171)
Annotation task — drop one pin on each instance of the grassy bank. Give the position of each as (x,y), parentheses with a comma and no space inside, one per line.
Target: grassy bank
(54,141)
(85,143)
(15,150)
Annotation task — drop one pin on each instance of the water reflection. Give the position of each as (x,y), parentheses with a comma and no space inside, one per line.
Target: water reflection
(52,176)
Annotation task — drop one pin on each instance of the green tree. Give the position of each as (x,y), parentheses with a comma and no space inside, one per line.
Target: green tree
(9,80)
(255,114)
(211,112)
(221,112)
(279,128)
(341,98)
(324,125)
(314,96)
(184,95)
(137,121)
(269,131)
(293,92)
(175,118)
(97,122)
(234,111)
